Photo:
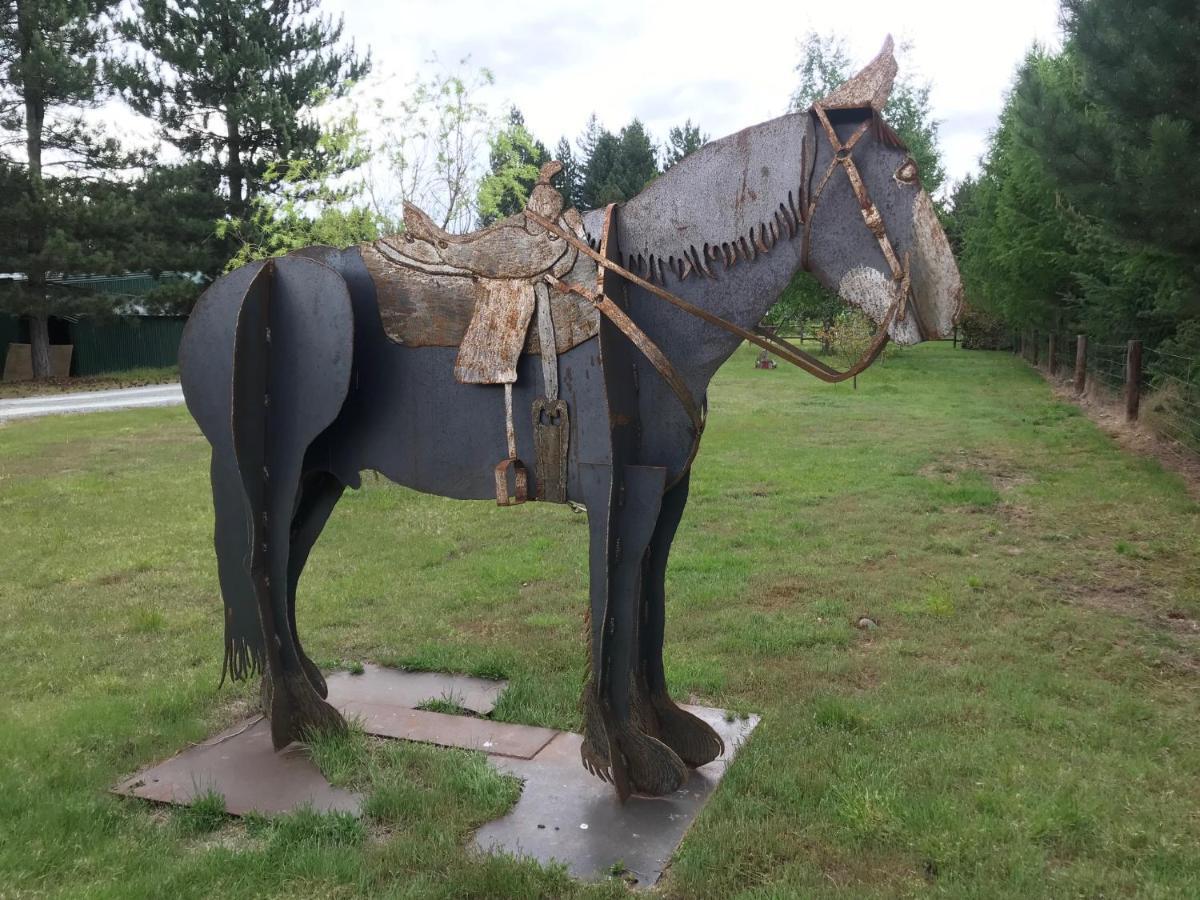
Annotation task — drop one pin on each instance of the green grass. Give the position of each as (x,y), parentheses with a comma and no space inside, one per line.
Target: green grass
(108,381)
(1021,723)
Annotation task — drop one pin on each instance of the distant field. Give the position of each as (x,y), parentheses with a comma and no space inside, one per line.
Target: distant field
(1022,723)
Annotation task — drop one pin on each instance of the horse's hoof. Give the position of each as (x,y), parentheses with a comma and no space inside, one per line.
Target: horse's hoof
(693,739)
(297,712)
(648,765)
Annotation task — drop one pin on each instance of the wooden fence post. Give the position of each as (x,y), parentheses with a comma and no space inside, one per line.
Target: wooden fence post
(1050,355)
(1133,381)
(1080,363)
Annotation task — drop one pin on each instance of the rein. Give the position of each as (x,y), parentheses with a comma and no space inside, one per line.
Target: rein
(901,280)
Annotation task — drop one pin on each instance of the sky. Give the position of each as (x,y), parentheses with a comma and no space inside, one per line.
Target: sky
(723,65)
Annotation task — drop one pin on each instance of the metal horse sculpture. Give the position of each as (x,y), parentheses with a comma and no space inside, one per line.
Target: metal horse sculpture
(409,355)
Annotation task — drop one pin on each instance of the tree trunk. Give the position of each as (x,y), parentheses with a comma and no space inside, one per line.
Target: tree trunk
(35,239)
(235,173)
(39,344)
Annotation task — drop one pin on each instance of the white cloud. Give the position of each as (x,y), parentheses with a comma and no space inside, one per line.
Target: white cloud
(723,65)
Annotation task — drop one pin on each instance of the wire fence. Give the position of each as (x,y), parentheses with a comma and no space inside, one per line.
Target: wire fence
(1160,389)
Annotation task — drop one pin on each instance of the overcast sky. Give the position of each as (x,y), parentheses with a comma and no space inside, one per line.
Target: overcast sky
(725,65)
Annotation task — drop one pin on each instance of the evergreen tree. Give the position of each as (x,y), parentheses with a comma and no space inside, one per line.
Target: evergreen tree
(682,140)
(1115,122)
(234,82)
(615,167)
(50,54)
(1017,257)
(568,179)
(311,202)
(601,156)
(516,156)
(638,164)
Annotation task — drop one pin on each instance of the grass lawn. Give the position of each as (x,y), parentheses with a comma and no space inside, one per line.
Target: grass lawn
(105,382)
(1022,723)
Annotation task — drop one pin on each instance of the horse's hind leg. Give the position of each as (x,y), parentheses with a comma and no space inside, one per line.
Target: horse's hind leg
(319,493)
(291,374)
(692,738)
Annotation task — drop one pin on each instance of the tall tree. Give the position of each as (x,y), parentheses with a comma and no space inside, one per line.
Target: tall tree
(50,57)
(313,202)
(615,166)
(515,157)
(568,180)
(1115,121)
(682,140)
(601,151)
(234,82)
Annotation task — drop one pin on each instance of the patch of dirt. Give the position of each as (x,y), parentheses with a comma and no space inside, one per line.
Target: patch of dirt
(778,594)
(1001,473)
(1128,596)
(1108,411)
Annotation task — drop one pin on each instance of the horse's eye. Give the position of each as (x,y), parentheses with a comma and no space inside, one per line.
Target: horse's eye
(908,173)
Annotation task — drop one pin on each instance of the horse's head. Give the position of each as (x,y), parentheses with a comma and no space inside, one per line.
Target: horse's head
(873,234)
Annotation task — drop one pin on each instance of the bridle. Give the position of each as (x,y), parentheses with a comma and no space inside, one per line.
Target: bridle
(842,155)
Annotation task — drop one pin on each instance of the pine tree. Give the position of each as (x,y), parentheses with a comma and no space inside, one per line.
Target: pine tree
(682,140)
(638,164)
(601,157)
(51,53)
(568,180)
(1115,121)
(618,166)
(235,81)
(516,156)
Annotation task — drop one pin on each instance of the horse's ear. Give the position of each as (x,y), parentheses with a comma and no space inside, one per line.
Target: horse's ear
(871,87)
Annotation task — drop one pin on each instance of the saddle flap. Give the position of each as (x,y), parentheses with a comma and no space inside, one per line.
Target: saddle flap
(496,336)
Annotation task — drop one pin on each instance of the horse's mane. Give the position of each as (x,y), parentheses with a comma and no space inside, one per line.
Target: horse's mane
(785,222)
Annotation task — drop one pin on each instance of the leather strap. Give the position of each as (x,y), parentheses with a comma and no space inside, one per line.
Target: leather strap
(843,155)
(781,348)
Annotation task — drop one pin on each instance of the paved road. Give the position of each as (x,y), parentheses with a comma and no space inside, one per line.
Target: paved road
(91,401)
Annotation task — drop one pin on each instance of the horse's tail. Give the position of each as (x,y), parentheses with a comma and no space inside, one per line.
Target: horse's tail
(265,366)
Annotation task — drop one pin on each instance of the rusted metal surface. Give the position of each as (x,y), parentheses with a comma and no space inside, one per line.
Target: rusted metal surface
(495,338)
(565,817)
(562,815)
(424,726)
(241,765)
(397,687)
(305,372)
(551,435)
(871,87)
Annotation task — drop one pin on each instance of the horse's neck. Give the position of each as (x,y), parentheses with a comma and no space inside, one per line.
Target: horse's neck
(721,230)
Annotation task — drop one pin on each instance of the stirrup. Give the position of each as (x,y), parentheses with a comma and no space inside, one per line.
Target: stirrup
(520,479)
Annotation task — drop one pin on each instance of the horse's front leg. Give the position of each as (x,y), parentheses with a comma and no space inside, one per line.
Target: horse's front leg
(623,508)
(692,738)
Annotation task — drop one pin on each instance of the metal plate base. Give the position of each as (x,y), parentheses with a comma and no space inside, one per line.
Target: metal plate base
(564,814)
